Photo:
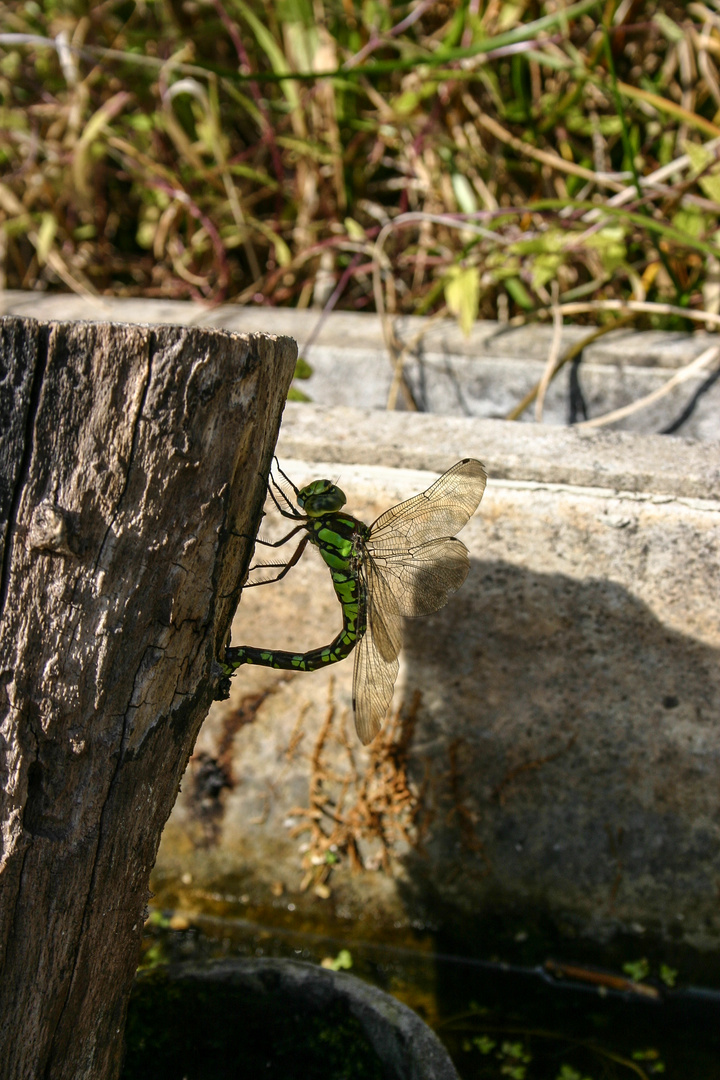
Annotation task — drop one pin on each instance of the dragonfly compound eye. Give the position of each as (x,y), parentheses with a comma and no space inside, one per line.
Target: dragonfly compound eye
(321,497)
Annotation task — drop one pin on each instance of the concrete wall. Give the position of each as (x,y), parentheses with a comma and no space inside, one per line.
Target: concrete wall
(565,762)
(566,758)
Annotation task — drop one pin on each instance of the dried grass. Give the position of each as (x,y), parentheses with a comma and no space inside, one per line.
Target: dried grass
(359,813)
(199,150)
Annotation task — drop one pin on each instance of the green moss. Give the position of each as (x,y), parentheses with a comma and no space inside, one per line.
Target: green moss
(201,1030)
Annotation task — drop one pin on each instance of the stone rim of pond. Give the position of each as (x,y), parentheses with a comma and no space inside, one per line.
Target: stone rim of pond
(406,1047)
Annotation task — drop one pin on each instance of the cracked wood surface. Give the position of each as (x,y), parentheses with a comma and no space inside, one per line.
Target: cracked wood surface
(130,475)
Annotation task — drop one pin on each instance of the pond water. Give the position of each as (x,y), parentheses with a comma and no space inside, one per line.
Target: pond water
(530,1011)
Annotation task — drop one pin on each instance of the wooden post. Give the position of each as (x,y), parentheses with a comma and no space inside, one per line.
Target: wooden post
(131,474)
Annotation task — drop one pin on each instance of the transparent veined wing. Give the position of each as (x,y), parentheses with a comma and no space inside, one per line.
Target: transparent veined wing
(376,654)
(423,579)
(412,546)
(441,511)
(411,564)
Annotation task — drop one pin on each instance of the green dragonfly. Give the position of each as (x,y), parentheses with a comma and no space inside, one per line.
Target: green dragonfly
(407,563)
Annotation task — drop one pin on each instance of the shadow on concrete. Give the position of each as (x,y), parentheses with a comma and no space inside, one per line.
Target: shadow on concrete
(573,746)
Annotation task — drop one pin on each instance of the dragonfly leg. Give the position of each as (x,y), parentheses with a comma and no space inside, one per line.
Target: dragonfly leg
(288,511)
(286,477)
(279,543)
(294,558)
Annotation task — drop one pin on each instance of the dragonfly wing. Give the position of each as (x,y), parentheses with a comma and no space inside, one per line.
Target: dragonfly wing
(441,511)
(376,655)
(411,564)
(423,578)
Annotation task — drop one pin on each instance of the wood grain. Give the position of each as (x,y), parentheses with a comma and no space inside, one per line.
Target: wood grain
(131,464)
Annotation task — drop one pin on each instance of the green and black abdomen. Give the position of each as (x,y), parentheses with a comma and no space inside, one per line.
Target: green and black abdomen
(339,539)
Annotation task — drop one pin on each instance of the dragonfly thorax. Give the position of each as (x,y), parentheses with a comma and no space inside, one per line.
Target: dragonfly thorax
(321,497)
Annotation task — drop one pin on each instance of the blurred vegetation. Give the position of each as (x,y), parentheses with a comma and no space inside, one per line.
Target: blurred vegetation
(487,158)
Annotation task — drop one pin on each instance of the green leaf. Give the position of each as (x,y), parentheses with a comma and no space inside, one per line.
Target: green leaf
(376,14)
(85,232)
(510,15)
(464,194)
(519,293)
(11,65)
(668,975)
(610,246)
(516,1050)
(296,11)
(552,241)
(282,251)
(145,234)
(297,395)
(406,103)
(544,269)
(18,226)
(301,41)
(154,957)
(272,50)
(303,370)
(669,27)
(308,149)
(651,1054)
(710,186)
(343,961)
(582,124)
(637,970)
(141,122)
(46,236)
(462,295)
(256,175)
(568,1073)
(691,221)
(700,158)
(455,27)
(484,1043)
(158,919)
(354,230)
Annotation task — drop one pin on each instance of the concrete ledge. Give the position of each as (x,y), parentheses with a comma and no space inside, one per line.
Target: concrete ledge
(619,461)
(654,348)
(483,375)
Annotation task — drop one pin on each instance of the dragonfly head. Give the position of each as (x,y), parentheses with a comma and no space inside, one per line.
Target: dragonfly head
(321,497)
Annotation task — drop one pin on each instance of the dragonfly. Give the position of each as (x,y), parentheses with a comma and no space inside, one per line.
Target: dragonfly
(406,564)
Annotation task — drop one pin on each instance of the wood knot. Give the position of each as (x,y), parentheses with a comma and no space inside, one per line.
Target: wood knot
(49,529)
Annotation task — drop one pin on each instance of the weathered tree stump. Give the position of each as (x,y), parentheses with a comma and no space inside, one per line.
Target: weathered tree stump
(131,465)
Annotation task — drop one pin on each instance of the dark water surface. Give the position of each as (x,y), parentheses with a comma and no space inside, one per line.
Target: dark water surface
(530,1011)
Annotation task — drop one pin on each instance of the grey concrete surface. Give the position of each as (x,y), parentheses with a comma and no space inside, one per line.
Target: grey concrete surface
(482,375)
(566,759)
(548,455)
